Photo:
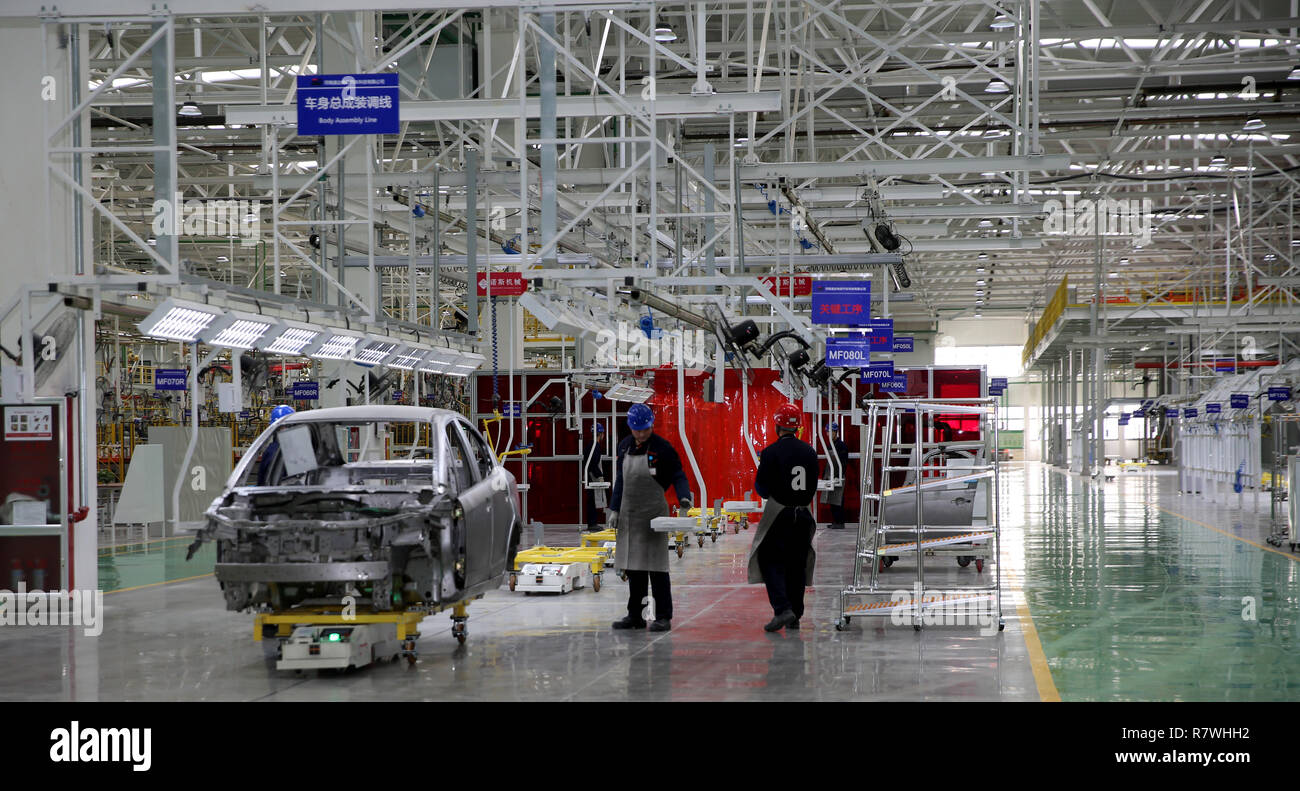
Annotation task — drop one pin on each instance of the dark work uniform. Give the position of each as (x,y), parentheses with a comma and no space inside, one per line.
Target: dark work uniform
(266,465)
(595,471)
(787,473)
(838,513)
(667,466)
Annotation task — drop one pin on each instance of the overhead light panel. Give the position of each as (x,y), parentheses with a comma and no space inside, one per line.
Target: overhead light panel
(1254,123)
(665,33)
(407,357)
(236,330)
(466,363)
(437,361)
(177,320)
(629,393)
(289,337)
(334,345)
(374,351)
(997,86)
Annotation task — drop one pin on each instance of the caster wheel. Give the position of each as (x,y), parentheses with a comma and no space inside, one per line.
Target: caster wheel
(1001,624)
(701,542)
(679,550)
(713,539)
(460,638)
(623,576)
(840,625)
(847,620)
(979,564)
(513,580)
(595,584)
(963,561)
(889,561)
(735,530)
(916,627)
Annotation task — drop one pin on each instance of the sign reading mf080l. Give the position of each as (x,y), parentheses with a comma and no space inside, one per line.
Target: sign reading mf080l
(348,104)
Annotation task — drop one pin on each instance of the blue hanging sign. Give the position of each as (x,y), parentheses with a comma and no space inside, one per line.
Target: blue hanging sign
(878,372)
(881,333)
(998,381)
(1239,400)
(841,302)
(304,391)
(1123,419)
(903,344)
(1279,393)
(1139,413)
(896,384)
(854,352)
(348,104)
(170,379)
(512,409)
(1189,412)
(1213,408)
(1171,411)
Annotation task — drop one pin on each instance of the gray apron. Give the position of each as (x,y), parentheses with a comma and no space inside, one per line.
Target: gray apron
(771,510)
(639,548)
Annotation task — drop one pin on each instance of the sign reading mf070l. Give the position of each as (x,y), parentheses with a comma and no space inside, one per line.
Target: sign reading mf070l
(842,302)
(348,104)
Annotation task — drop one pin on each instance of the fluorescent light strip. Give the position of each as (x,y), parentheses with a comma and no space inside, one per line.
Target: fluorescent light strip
(337,347)
(242,334)
(374,352)
(407,357)
(292,341)
(178,321)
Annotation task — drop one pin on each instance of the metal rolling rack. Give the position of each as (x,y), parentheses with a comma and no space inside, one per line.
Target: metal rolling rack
(978,540)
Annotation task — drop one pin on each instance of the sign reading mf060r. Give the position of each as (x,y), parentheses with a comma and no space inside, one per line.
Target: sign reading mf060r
(348,104)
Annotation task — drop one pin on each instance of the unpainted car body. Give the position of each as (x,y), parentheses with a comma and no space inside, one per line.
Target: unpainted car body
(396,506)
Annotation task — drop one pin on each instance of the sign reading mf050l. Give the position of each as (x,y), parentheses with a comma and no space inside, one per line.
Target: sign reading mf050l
(348,104)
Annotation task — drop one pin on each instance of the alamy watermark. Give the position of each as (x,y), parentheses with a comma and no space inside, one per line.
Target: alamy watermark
(84,608)
(944,608)
(1107,217)
(630,346)
(229,218)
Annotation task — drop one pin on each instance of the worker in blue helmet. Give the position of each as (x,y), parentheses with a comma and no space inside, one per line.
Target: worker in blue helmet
(647,465)
(271,456)
(835,497)
(594,473)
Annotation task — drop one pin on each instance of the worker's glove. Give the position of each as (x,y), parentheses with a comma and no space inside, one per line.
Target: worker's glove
(613,520)
(684,504)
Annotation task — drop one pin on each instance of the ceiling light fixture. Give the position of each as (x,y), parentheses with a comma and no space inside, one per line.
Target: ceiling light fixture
(290,337)
(176,320)
(374,351)
(189,109)
(1254,123)
(665,33)
(334,345)
(1002,21)
(236,330)
(997,86)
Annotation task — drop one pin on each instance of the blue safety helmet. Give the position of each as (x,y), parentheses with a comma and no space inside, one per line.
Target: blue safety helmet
(640,417)
(833,427)
(600,428)
(280,412)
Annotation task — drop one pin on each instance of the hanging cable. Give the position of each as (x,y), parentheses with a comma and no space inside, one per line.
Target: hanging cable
(496,373)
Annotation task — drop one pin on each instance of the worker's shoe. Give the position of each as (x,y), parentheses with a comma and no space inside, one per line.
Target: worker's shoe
(780,621)
(661,625)
(793,624)
(629,623)
(837,526)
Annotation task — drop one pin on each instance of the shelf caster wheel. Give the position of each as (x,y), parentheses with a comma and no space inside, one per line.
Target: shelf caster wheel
(916,627)
(595,584)
(735,530)
(700,541)
(679,549)
(623,576)
(459,631)
(979,564)
(713,539)
(513,579)
(963,561)
(1002,624)
(841,624)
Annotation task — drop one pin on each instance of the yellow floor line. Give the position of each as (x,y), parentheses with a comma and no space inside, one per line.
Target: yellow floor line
(1047,691)
(1229,535)
(156,584)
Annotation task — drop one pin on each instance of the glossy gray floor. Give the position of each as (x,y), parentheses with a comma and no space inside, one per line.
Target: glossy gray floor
(176,642)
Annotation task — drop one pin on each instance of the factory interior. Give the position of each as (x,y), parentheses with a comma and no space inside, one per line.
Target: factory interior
(332,333)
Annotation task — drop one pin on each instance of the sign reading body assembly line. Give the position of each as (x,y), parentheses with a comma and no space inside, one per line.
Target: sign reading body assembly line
(842,302)
(348,104)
